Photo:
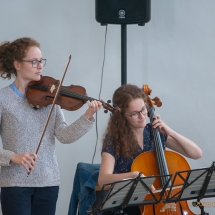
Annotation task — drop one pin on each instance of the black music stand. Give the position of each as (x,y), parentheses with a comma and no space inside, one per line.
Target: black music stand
(128,192)
(198,184)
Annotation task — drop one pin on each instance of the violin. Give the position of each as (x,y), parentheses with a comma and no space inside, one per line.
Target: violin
(48,91)
(41,93)
(162,162)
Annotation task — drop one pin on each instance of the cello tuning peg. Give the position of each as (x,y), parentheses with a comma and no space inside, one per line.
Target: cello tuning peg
(157,102)
(105,111)
(109,101)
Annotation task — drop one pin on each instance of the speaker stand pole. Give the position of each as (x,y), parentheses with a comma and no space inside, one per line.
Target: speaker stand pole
(123,54)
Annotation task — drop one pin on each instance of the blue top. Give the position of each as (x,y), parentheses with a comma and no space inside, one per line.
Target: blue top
(13,87)
(123,164)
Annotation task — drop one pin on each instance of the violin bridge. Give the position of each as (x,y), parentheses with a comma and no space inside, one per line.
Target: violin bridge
(171,206)
(52,88)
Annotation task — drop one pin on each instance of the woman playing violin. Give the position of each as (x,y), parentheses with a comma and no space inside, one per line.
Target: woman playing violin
(20,129)
(128,135)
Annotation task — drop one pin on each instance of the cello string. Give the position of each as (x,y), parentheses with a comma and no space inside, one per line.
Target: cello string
(159,149)
(161,159)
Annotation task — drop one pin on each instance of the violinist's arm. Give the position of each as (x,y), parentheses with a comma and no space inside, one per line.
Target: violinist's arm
(106,171)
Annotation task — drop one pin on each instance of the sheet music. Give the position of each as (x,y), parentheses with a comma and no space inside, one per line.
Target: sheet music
(194,189)
(137,197)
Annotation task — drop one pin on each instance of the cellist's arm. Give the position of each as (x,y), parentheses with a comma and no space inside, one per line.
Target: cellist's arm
(176,141)
(183,145)
(106,175)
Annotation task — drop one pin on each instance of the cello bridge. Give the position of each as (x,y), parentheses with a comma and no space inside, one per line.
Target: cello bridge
(171,206)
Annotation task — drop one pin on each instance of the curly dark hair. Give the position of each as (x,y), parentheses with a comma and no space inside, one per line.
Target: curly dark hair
(11,51)
(118,128)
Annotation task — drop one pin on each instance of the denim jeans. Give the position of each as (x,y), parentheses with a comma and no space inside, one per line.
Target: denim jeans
(29,200)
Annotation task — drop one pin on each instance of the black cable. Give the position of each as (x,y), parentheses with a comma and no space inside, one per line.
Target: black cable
(100,94)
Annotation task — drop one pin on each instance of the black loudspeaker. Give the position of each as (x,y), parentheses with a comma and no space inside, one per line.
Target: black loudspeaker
(123,11)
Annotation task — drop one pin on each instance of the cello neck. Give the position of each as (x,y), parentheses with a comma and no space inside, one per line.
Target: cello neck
(161,160)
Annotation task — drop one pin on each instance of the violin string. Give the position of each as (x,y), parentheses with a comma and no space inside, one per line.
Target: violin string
(76,95)
(82,97)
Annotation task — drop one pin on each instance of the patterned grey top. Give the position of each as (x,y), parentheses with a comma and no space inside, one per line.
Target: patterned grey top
(21,127)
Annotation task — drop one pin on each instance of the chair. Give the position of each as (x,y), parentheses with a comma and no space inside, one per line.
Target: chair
(84,188)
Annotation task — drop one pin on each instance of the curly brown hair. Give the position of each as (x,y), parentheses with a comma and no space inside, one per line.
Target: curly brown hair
(118,128)
(11,51)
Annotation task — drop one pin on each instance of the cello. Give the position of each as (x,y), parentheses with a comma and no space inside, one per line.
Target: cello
(163,162)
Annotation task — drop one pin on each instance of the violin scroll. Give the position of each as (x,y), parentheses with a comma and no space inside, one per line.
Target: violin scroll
(114,110)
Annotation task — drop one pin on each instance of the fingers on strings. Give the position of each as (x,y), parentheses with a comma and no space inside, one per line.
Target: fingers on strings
(94,104)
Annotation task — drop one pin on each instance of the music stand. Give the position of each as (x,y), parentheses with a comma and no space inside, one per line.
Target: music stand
(128,192)
(198,184)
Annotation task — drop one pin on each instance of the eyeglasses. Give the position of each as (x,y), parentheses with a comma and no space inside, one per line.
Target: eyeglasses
(136,114)
(36,62)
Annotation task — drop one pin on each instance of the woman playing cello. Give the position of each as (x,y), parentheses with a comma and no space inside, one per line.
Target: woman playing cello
(128,135)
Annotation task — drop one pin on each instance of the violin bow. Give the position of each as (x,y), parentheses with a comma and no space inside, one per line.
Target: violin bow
(50,112)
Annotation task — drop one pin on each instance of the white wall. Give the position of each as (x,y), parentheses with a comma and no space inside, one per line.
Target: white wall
(174,54)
